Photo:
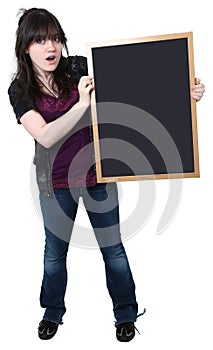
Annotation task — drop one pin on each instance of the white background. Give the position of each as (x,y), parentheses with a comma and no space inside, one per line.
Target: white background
(172,271)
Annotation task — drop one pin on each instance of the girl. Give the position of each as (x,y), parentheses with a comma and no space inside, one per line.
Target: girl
(50,95)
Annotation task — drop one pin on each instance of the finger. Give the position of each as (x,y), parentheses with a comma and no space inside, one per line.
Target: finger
(88,83)
(198,87)
(89,88)
(198,94)
(201,89)
(86,78)
(83,85)
(197,81)
(197,97)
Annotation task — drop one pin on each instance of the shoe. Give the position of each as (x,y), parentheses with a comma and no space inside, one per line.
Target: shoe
(125,331)
(47,329)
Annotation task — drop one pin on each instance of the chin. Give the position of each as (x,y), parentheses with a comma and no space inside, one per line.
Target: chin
(51,69)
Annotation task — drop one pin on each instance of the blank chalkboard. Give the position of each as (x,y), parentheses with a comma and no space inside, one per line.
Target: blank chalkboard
(144,119)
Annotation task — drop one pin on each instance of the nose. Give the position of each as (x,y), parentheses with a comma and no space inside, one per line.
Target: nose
(50,45)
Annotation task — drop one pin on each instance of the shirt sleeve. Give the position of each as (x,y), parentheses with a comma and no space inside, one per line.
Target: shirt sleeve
(78,66)
(20,105)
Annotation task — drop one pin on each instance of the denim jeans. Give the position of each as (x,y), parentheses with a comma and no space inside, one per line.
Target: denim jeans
(59,212)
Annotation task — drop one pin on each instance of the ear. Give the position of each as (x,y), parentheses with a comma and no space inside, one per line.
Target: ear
(26,51)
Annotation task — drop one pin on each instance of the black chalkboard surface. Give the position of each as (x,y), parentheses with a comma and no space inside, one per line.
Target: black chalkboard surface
(144,119)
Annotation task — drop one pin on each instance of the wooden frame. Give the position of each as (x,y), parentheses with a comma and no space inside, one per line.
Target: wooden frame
(166,62)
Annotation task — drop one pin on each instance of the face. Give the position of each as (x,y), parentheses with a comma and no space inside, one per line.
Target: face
(45,54)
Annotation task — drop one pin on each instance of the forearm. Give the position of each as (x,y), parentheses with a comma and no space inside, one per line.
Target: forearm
(47,134)
(56,130)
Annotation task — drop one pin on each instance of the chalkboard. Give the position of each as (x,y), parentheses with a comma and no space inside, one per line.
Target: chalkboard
(144,119)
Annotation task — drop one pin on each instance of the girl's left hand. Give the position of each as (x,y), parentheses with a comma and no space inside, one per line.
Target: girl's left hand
(197,90)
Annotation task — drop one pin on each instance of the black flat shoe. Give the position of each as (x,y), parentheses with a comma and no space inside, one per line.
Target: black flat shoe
(125,331)
(47,329)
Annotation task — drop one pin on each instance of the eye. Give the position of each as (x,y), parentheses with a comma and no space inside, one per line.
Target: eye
(39,40)
(56,38)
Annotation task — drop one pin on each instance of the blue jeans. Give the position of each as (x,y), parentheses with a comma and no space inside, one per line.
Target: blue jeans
(59,212)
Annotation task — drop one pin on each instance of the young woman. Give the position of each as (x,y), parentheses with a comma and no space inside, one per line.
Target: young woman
(50,95)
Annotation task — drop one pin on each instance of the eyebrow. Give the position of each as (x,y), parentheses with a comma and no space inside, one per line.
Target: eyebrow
(53,36)
(49,36)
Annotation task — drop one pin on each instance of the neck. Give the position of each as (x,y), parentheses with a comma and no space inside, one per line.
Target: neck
(46,78)
(42,74)
(46,86)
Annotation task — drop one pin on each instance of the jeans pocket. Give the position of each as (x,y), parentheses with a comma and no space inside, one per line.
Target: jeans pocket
(102,192)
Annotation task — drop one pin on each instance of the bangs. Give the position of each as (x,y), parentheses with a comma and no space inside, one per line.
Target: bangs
(44,27)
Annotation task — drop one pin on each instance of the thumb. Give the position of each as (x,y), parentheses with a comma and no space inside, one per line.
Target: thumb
(197,81)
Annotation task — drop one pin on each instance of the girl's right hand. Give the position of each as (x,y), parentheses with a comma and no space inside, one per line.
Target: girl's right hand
(85,87)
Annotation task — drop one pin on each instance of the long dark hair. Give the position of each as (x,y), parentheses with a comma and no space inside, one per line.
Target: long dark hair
(33,23)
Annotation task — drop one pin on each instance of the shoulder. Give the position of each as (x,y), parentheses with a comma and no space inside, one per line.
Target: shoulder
(78,67)
(15,92)
(19,99)
(12,90)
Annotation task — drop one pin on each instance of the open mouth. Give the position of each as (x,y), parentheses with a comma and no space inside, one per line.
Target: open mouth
(51,58)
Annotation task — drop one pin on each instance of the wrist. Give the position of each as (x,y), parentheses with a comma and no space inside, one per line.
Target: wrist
(83,104)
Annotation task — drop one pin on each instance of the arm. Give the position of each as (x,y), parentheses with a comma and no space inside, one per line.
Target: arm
(47,134)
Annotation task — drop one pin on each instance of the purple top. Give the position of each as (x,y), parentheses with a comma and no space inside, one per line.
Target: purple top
(72,162)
